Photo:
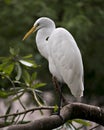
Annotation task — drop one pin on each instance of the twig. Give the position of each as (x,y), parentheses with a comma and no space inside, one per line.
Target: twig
(35,97)
(26,111)
(16,92)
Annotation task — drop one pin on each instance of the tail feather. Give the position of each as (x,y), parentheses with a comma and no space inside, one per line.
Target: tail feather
(77,89)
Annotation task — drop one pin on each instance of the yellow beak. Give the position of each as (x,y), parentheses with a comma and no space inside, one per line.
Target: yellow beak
(29,32)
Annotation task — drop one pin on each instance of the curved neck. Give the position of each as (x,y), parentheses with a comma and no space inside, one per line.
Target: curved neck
(42,37)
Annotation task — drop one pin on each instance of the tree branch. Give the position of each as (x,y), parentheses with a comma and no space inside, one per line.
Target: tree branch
(29,110)
(68,112)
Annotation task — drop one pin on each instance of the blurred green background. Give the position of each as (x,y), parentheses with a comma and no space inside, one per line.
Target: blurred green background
(83,18)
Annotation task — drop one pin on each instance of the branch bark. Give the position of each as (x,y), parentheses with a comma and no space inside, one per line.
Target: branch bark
(68,112)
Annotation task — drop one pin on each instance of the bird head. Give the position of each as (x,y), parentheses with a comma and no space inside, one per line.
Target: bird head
(42,22)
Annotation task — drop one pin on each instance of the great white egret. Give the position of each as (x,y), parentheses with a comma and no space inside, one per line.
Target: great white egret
(58,46)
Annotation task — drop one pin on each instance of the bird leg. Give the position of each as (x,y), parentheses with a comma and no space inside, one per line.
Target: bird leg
(59,90)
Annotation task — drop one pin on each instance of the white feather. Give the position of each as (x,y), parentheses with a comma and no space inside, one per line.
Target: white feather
(62,53)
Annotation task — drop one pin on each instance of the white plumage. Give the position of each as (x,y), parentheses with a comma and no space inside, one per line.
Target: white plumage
(60,49)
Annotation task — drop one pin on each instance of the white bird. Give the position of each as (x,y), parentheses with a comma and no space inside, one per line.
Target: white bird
(58,46)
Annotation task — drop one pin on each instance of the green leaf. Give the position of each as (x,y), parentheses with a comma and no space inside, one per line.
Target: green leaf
(3,94)
(83,122)
(19,71)
(33,77)
(38,85)
(26,77)
(14,51)
(55,108)
(7,68)
(26,63)
(6,65)
(28,56)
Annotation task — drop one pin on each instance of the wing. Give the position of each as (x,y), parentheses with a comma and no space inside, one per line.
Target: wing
(67,60)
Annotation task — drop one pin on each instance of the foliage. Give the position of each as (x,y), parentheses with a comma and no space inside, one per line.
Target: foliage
(20,75)
(84,19)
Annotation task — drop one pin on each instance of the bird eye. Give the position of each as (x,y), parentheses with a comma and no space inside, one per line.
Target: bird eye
(38,24)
